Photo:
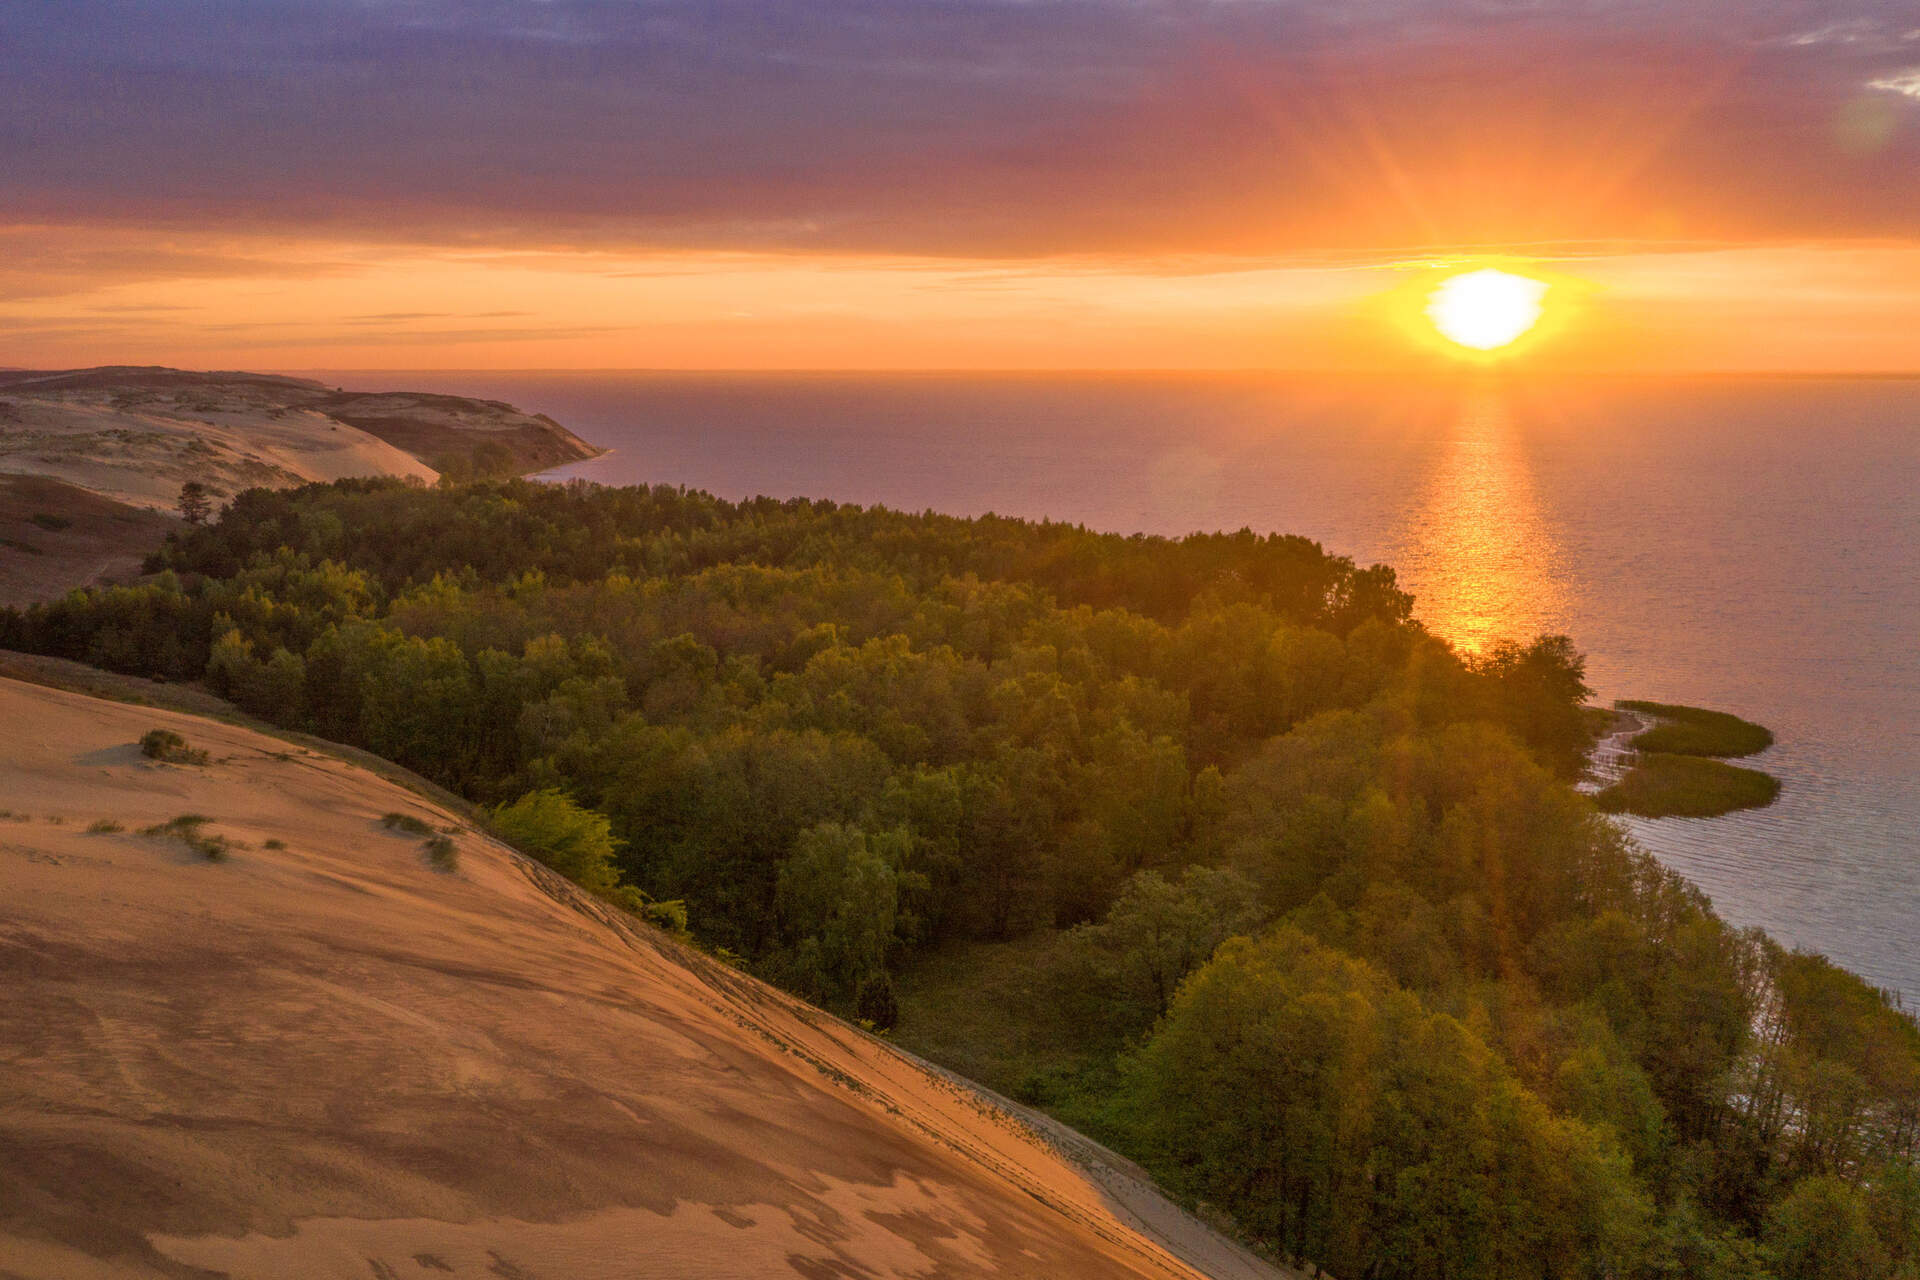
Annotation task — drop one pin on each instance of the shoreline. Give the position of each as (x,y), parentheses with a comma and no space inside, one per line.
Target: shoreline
(1612,754)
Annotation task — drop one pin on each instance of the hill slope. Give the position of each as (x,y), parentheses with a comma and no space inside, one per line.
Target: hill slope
(54,536)
(331,1059)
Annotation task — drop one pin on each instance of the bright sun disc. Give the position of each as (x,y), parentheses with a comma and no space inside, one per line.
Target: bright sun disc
(1486,309)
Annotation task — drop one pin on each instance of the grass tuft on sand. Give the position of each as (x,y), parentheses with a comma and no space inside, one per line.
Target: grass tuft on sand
(187,829)
(1695,731)
(1662,785)
(169,747)
(443,853)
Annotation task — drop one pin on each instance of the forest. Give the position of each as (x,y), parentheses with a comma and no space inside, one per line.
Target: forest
(1340,953)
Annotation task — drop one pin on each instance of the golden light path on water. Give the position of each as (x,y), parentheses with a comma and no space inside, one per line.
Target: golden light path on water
(1479,553)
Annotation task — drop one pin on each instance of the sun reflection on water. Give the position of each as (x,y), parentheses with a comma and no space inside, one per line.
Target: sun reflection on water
(1482,560)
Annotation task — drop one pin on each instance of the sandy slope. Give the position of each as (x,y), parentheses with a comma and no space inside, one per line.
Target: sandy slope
(332,1060)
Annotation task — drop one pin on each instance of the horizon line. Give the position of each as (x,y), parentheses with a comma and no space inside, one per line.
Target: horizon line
(1476,371)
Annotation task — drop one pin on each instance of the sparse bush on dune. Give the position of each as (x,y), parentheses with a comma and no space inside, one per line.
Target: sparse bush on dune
(187,830)
(158,744)
(104,827)
(443,853)
(169,747)
(439,846)
(185,822)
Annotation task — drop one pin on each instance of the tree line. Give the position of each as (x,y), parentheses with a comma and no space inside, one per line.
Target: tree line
(1375,980)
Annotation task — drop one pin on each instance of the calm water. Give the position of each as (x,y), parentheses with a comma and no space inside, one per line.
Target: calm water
(1751,545)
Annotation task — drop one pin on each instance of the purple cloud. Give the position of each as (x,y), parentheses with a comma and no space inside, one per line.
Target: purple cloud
(980,127)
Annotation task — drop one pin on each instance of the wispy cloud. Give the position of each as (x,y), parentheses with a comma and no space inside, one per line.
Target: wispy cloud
(1848,31)
(1907,82)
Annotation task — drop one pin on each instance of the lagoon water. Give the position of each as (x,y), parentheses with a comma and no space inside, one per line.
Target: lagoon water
(1751,545)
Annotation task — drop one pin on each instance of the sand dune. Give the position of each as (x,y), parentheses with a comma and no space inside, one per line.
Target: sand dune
(330,1059)
(138,444)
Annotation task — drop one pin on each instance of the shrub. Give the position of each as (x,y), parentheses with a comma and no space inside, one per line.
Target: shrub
(407,823)
(668,913)
(185,822)
(47,520)
(875,1002)
(443,853)
(273,844)
(169,747)
(104,827)
(576,842)
(187,829)
(158,744)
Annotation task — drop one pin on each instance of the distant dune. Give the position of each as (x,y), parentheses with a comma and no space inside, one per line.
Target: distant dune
(133,436)
(331,1059)
(138,439)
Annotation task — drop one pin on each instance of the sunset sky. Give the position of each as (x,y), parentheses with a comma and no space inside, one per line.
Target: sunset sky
(950,183)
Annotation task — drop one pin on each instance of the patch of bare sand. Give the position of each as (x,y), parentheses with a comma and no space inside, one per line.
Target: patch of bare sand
(332,1060)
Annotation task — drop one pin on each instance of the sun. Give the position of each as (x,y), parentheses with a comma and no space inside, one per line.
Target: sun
(1487,309)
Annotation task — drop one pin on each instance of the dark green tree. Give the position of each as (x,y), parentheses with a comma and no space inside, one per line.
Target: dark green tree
(195,504)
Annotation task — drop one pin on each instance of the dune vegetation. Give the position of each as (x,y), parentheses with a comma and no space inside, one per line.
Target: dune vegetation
(1202,844)
(169,747)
